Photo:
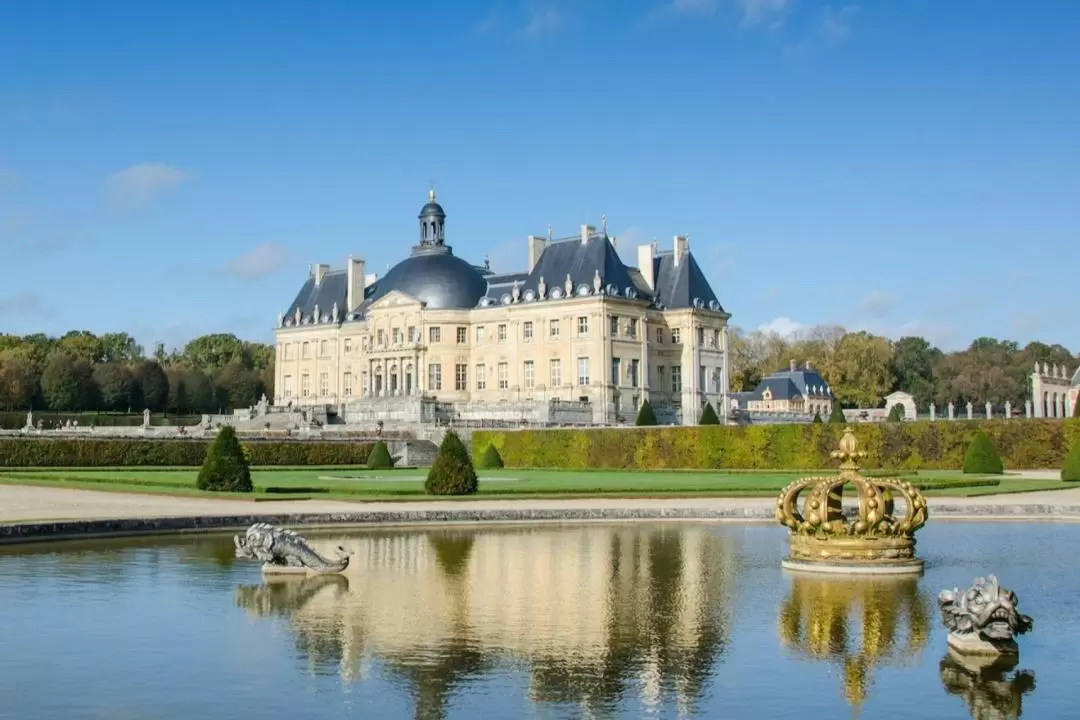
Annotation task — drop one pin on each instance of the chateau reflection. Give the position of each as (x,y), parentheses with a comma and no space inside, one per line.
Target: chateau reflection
(857,623)
(987,685)
(594,614)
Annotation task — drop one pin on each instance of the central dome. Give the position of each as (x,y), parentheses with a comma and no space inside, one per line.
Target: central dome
(435,276)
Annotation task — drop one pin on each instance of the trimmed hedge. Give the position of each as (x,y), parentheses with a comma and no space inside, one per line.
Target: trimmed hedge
(225,468)
(1070,470)
(982,457)
(69,452)
(1022,444)
(490,459)
(379,458)
(452,473)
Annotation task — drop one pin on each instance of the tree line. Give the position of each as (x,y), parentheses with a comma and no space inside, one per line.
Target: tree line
(81,371)
(862,368)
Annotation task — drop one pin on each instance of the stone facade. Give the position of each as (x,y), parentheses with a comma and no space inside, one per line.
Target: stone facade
(794,394)
(1053,392)
(553,351)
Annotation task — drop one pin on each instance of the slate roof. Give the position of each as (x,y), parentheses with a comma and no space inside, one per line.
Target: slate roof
(787,384)
(679,286)
(332,289)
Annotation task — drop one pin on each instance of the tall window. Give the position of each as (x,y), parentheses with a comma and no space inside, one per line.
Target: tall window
(616,365)
(703,379)
(461,376)
(635,364)
(582,325)
(365,384)
(553,329)
(346,384)
(324,348)
(676,378)
(501,332)
(305,351)
(288,386)
(324,385)
(527,331)
(347,345)
(380,338)
(660,377)
(676,336)
(716,338)
(555,372)
(530,374)
(413,334)
(701,336)
(480,334)
(614,326)
(504,376)
(631,328)
(395,333)
(435,334)
(481,377)
(659,336)
(434,375)
(583,371)
(305,385)
(462,335)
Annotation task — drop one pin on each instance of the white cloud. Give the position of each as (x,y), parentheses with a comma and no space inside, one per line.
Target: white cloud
(26,304)
(877,304)
(263,261)
(541,20)
(783,326)
(836,24)
(769,13)
(142,182)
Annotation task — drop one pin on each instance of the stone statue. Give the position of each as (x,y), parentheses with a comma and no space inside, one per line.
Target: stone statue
(989,410)
(297,315)
(952,411)
(970,410)
(933,412)
(597,283)
(315,315)
(334,313)
(146,418)
(541,289)
(983,620)
(1027,408)
(29,419)
(1008,410)
(515,292)
(284,551)
(569,286)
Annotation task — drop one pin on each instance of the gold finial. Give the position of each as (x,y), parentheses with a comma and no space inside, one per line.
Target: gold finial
(431,194)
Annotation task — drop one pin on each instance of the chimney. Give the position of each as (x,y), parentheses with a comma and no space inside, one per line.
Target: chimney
(680,248)
(794,366)
(586,233)
(808,365)
(645,264)
(320,270)
(354,292)
(537,245)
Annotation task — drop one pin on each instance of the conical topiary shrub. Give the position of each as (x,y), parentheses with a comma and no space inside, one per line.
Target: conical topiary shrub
(1070,471)
(645,415)
(379,457)
(452,473)
(1076,407)
(817,416)
(836,415)
(896,414)
(708,416)
(490,458)
(982,457)
(225,469)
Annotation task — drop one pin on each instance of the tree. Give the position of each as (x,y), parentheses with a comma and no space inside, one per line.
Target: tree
(836,414)
(82,345)
(199,392)
(152,384)
(120,347)
(258,356)
(379,458)
(913,367)
(982,457)
(19,380)
(225,468)
(896,413)
(491,459)
(1070,470)
(645,415)
(66,383)
(452,473)
(236,385)
(178,396)
(708,416)
(115,386)
(211,352)
(862,375)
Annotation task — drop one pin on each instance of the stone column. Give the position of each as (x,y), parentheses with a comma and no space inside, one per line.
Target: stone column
(1059,406)
(643,373)
(970,411)
(1008,410)
(933,412)
(989,410)
(952,411)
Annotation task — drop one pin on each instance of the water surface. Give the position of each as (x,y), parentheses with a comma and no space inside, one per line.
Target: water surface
(628,620)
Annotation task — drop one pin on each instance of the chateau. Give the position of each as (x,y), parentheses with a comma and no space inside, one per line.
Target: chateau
(576,336)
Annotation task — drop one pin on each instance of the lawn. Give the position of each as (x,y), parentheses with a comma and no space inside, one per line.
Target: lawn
(359,484)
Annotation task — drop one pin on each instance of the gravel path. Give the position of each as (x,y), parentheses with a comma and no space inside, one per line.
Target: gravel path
(24,503)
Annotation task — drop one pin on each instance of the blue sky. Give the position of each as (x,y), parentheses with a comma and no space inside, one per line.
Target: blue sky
(172,168)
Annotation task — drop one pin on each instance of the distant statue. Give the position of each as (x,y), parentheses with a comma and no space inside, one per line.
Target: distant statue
(146,418)
(297,316)
(334,313)
(541,289)
(315,315)
(569,285)
(515,292)
(29,419)
(597,283)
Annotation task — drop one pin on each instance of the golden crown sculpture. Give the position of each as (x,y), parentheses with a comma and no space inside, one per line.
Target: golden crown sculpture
(874,539)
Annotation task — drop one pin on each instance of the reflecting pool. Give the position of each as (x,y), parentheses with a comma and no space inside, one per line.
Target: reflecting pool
(654,620)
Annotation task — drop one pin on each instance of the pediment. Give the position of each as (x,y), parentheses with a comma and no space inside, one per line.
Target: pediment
(394,299)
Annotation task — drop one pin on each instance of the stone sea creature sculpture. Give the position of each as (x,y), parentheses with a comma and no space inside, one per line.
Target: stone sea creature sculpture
(983,620)
(283,551)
